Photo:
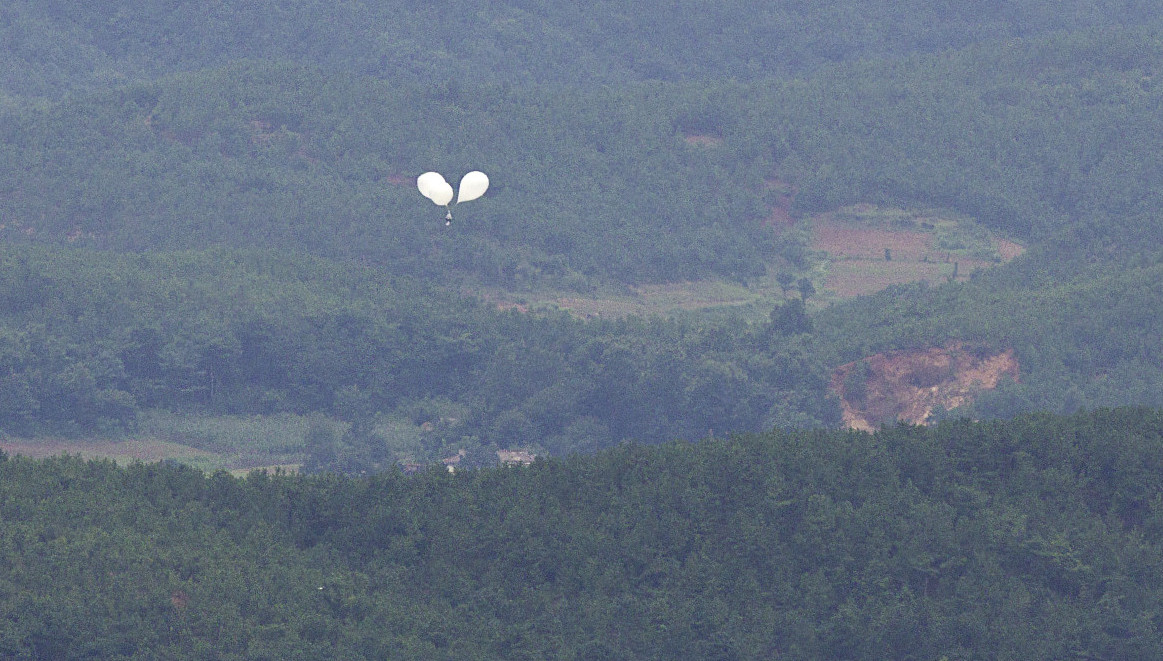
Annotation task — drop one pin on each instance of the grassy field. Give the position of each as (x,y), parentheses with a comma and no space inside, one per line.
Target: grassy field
(865,249)
(122,451)
(238,444)
(234,443)
(644,300)
(856,250)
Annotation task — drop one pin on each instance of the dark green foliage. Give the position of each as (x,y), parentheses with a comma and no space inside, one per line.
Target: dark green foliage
(785,281)
(628,144)
(1036,538)
(790,318)
(806,289)
(56,46)
(104,336)
(594,184)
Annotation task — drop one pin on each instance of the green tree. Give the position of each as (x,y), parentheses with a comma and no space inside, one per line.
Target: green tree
(807,290)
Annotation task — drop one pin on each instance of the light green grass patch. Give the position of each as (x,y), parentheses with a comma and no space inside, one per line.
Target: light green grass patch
(123,451)
(402,438)
(241,441)
(955,237)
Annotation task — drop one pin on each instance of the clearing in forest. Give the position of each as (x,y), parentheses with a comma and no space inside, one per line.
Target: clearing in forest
(235,443)
(865,248)
(122,451)
(856,250)
(146,450)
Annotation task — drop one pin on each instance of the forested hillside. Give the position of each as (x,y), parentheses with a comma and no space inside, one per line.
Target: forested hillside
(56,45)
(1046,140)
(295,159)
(211,210)
(1037,538)
(211,238)
(91,339)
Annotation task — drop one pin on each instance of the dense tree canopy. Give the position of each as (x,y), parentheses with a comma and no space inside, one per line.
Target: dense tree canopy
(591,186)
(90,339)
(595,184)
(208,210)
(57,45)
(1036,538)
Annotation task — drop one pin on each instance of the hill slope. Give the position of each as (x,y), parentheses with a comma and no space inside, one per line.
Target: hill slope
(1037,538)
(267,143)
(55,46)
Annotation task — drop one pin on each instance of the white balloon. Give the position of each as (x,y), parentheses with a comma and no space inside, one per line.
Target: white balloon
(472,185)
(441,193)
(429,182)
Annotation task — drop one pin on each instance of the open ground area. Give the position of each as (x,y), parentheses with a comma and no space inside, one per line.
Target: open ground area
(856,250)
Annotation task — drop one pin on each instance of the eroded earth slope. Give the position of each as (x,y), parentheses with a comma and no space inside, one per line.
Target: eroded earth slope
(907,386)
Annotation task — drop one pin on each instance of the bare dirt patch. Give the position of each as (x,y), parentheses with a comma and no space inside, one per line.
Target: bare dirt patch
(703,140)
(1007,249)
(907,386)
(846,241)
(866,249)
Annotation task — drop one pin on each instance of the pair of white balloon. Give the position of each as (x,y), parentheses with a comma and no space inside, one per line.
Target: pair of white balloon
(434,187)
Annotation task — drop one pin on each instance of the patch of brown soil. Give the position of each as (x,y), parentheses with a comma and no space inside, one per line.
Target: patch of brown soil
(506,305)
(844,240)
(779,217)
(498,300)
(1007,249)
(701,140)
(907,386)
(859,255)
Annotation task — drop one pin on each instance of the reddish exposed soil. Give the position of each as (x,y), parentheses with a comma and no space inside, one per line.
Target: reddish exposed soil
(701,140)
(780,215)
(1007,249)
(859,263)
(506,305)
(497,300)
(908,386)
(843,240)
